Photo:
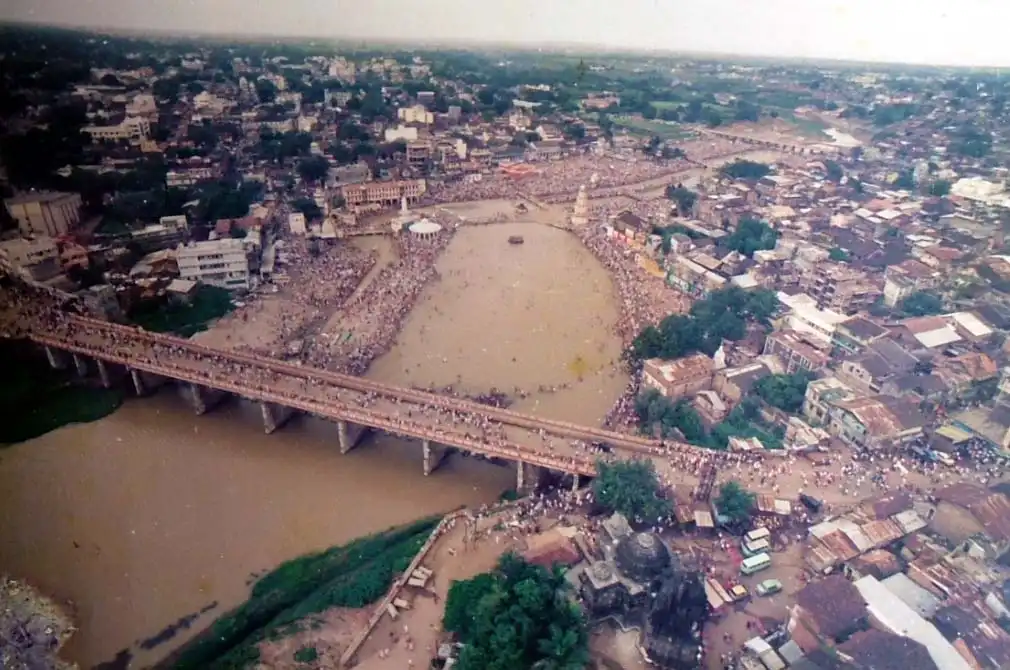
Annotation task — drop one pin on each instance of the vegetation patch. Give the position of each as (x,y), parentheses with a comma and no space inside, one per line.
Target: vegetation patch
(351,575)
(207,304)
(39,399)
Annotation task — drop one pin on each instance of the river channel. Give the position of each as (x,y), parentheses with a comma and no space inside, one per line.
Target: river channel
(152,514)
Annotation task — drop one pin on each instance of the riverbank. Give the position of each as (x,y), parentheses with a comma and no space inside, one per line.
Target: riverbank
(38,399)
(295,595)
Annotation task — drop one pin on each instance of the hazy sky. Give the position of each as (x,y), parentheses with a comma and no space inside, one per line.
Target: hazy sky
(965,32)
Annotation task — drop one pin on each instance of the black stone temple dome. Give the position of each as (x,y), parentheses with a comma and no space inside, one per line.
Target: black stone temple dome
(642,557)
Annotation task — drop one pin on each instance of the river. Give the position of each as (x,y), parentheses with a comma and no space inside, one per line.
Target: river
(151,514)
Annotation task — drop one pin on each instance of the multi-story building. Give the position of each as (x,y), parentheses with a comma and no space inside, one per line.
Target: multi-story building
(134,129)
(223,263)
(678,378)
(795,351)
(384,192)
(905,278)
(415,114)
(27,251)
(419,153)
(804,315)
(45,212)
(401,133)
(840,288)
(189,176)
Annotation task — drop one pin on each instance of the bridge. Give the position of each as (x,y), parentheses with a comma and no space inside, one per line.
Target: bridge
(784,147)
(206,376)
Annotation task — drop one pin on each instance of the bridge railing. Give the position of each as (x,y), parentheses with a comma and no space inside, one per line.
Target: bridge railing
(333,410)
(506,416)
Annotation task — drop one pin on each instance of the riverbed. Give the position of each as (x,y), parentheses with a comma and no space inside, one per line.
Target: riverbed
(151,514)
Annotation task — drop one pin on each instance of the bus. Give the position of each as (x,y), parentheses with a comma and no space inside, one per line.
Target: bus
(762,546)
(757,534)
(755,564)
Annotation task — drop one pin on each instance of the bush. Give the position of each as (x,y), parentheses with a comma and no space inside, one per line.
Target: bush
(306,655)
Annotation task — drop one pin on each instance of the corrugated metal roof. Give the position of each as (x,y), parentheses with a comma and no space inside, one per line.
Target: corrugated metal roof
(882,532)
(839,544)
(909,521)
(855,534)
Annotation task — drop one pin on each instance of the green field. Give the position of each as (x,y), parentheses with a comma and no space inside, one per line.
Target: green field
(644,127)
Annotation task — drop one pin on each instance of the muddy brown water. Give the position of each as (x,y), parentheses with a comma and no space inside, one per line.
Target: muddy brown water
(151,514)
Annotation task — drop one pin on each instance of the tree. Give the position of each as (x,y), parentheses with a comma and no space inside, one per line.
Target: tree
(518,616)
(752,235)
(735,502)
(839,255)
(921,303)
(266,91)
(785,392)
(314,168)
(308,207)
(632,488)
(939,188)
(833,170)
(744,169)
(684,197)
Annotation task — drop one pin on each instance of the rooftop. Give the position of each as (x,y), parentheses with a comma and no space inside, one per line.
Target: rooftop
(833,603)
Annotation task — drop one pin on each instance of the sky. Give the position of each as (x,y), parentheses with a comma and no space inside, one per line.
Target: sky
(941,32)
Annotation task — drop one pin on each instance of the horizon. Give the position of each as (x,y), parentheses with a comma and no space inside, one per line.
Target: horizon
(792,32)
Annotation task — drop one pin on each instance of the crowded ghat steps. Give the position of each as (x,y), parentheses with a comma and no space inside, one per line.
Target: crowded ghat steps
(209,374)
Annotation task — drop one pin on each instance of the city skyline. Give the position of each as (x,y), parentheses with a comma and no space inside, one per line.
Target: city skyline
(900,31)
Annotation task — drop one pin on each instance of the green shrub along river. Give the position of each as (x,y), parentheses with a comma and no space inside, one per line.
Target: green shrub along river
(38,399)
(285,600)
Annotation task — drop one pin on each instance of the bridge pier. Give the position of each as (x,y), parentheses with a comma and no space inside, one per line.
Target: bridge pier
(434,454)
(110,374)
(527,477)
(201,398)
(274,416)
(350,434)
(57,359)
(80,365)
(146,382)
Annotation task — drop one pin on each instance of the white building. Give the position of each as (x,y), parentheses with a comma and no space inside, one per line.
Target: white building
(133,129)
(805,317)
(223,263)
(415,114)
(45,213)
(404,133)
(188,177)
(296,222)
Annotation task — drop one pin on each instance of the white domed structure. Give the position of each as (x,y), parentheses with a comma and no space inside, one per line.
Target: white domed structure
(425,229)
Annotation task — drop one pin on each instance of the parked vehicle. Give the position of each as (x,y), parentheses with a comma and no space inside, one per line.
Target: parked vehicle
(811,503)
(755,563)
(768,587)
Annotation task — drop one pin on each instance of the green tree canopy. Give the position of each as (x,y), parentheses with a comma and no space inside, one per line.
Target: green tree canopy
(921,303)
(308,207)
(684,197)
(752,235)
(518,616)
(722,315)
(632,488)
(735,501)
(313,168)
(939,188)
(839,255)
(744,169)
(784,391)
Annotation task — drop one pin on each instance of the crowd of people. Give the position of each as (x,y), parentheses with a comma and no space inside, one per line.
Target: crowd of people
(368,324)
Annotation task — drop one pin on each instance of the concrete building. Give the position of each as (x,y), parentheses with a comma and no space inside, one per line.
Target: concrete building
(415,114)
(223,263)
(45,213)
(27,251)
(796,351)
(133,129)
(804,316)
(678,378)
(384,192)
(401,133)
